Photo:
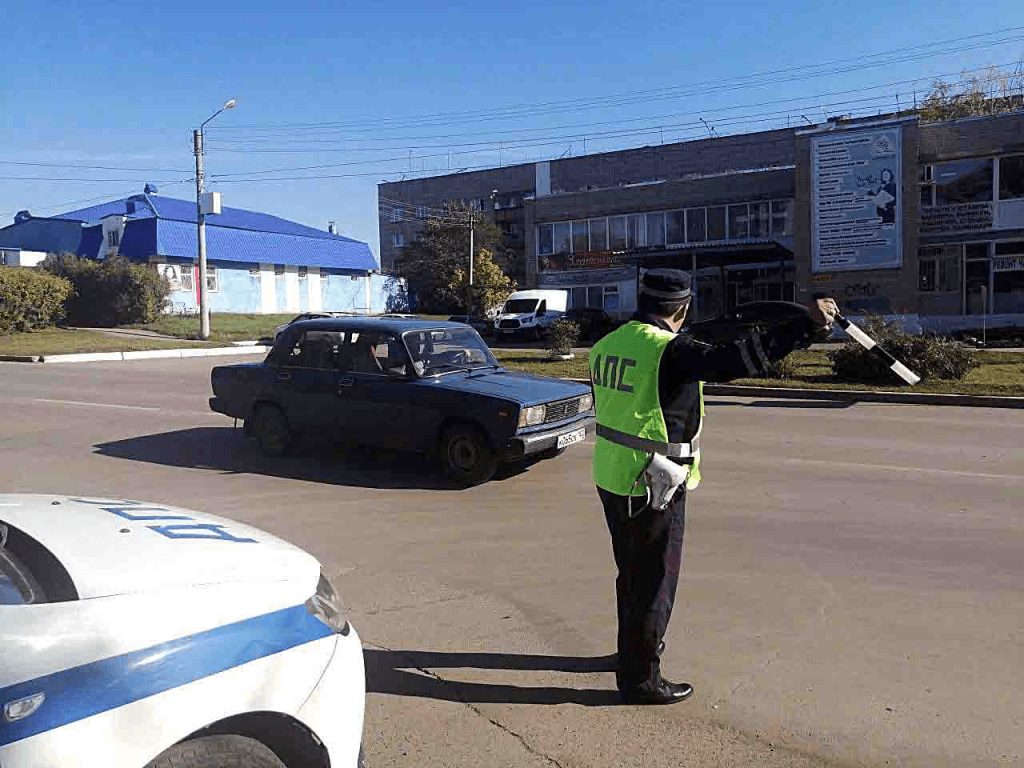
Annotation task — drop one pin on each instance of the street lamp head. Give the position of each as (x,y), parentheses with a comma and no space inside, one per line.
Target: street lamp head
(230,103)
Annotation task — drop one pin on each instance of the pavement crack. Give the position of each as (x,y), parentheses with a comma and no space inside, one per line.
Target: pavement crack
(476,710)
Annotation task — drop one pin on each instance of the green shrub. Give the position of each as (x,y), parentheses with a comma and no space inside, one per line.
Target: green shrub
(780,369)
(110,292)
(30,299)
(563,335)
(927,356)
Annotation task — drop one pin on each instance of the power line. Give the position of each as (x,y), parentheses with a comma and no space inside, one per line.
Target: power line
(92,167)
(619,98)
(88,181)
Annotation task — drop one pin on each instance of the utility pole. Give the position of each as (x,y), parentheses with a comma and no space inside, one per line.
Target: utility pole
(469,300)
(198,148)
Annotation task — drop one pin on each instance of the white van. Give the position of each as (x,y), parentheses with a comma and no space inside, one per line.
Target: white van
(530,313)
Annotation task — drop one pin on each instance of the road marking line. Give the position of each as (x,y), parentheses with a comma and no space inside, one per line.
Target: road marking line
(96,405)
(891,468)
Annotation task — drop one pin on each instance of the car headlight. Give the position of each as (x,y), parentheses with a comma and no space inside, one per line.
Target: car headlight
(532,416)
(327,607)
(586,402)
(527,320)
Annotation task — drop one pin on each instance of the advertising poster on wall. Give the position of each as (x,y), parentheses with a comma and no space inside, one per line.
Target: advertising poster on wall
(856,199)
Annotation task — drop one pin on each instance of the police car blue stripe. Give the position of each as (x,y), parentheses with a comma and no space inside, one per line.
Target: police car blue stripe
(80,692)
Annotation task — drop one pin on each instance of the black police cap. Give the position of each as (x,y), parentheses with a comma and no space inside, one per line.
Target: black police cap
(666,284)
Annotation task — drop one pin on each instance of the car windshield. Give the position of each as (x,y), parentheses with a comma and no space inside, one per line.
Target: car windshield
(520,306)
(444,350)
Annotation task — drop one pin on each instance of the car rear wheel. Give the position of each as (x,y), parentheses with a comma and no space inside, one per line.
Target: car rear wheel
(467,456)
(272,431)
(218,752)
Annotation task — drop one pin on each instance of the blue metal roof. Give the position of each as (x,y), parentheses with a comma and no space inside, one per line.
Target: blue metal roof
(163,226)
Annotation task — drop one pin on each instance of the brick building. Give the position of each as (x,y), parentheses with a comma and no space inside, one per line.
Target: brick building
(887,214)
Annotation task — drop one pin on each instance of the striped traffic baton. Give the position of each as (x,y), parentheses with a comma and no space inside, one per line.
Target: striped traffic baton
(871,345)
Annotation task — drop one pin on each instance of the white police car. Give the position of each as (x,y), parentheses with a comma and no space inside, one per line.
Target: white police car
(140,635)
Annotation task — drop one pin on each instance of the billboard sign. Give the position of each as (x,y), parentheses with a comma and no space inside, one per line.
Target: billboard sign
(856,199)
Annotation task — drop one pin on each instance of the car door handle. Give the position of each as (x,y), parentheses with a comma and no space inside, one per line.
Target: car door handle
(284,376)
(346,383)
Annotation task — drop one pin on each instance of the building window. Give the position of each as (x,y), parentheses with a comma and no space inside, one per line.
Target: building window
(963,181)
(1011,177)
(398,239)
(563,237)
(760,224)
(544,242)
(696,225)
(611,297)
(279,269)
(187,282)
(738,222)
(254,271)
(113,238)
(782,217)
(617,232)
(594,296)
(675,227)
(212,283)
(397,213)
(421,211)
(939,269)
(1008,278)
(636,227)
(599,234)
(302,273)
(580,236)
(716,224)
(655,228)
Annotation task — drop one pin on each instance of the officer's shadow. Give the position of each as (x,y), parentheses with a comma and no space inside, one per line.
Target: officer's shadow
(414,673)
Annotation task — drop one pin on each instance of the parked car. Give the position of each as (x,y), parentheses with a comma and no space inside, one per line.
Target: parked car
(141,635)
(415,385)
(481,325)
(530,313)
(594,323)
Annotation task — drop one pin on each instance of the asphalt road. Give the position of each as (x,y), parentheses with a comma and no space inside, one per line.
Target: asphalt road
(851,591)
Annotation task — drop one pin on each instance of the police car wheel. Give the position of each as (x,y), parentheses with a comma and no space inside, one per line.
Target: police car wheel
(272,431)
(218,752)
(467,456)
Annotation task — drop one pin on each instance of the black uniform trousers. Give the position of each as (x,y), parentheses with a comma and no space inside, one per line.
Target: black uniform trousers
(648,550)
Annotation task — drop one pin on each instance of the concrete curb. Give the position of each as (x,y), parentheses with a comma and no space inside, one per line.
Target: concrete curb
(859,396)
(147,354)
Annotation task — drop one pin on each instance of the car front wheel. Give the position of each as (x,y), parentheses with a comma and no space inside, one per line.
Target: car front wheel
(467,456)
(218,752)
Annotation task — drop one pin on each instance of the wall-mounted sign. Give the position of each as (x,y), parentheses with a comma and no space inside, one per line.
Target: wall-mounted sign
(592,260)
(856,196)
(957,218)
(584,277)
(1008,263)
(178,275)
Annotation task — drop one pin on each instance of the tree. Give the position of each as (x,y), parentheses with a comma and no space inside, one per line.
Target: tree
(994,92)
(436,265)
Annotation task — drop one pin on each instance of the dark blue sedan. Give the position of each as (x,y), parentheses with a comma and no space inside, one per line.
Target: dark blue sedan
(413,385)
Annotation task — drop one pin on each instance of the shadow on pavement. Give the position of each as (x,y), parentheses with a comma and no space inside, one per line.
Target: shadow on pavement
(225,450)
(786,403)
(400,673)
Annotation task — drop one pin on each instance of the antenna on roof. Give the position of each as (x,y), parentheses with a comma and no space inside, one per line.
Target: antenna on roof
(150,189)
(710,133)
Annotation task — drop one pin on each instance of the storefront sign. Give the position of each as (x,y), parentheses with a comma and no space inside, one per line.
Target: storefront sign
(1008,263)
(957,218)
(856,199)
(592,260)
(584,277)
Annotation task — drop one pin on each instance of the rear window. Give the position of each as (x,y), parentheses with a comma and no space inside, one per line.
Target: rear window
(29,573)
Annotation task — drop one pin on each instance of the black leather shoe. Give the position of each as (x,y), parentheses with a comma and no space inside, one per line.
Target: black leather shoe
(663,692)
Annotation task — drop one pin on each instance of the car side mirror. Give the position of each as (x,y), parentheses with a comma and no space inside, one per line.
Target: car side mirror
(541,312)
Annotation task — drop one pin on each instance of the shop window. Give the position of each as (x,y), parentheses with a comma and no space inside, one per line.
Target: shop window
(963,181)
(562,237)
(675,227)
(544,241)
(635,226)
(716,224)
(939,269)
(617,232)
(782,217)
(580,236)
(738,222)
(760,219)
(578,297)
(594,296)
(696,225)
(187,282)
(655,228)
(1008,278)
(1011,177)
(599,234)
(978,269)
(212,281)
(611,297)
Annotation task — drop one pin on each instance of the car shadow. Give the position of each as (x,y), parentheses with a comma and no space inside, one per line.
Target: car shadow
(224,449)
(844,403)
(409,673)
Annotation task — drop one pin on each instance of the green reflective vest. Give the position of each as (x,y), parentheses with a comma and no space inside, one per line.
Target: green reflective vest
(624,371)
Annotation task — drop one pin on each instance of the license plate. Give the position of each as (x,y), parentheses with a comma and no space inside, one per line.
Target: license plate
(572,437)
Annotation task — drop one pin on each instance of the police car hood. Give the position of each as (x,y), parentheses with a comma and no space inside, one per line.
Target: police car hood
(116,546)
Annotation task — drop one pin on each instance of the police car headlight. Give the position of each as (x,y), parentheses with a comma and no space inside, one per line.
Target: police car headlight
(327,607)
(586,402)
(532,416)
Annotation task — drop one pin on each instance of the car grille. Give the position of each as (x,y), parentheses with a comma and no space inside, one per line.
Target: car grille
(509,324)
(563,409)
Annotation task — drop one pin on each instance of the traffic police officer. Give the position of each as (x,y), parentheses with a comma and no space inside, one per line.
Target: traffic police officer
(648,391)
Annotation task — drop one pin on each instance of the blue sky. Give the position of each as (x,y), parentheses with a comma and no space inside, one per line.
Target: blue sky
(122,85)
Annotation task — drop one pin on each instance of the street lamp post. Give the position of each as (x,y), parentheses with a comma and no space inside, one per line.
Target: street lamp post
(198,148)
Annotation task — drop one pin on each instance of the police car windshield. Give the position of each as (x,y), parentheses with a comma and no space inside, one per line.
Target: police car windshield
(446,350)
(520,306)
